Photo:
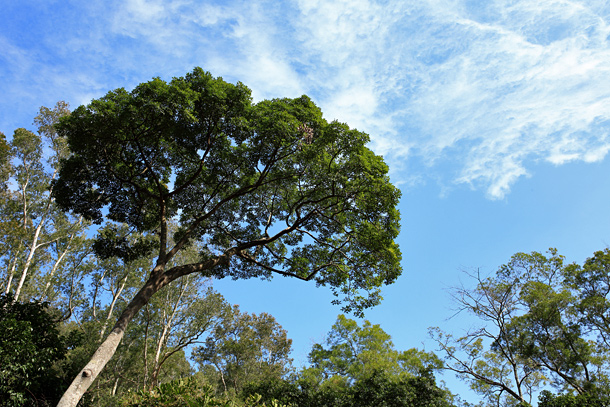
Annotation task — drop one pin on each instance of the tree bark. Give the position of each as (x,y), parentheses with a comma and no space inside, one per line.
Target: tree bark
(107,349)
(59,260)
(115,297)
(11,274)
(28,262)
(167,326)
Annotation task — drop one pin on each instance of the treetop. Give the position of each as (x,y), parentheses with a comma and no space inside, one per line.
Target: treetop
(271,186)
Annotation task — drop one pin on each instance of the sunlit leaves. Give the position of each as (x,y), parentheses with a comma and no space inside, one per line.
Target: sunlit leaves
(540,321)
(272,185)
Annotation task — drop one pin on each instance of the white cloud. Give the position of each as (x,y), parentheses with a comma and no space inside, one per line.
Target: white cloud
(506,99)
(491,90)
(488,87)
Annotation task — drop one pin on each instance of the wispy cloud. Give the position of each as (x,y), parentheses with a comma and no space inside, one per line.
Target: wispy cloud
(520,90)
(491,89)
(485,90)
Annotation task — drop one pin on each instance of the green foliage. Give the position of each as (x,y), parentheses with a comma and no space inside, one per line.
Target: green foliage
(42,246)
(376,389)
(5,165)
(544,323)
(547,399)
(113,241)
(354,352)
(244,348)
(30,350)
(265,188)
(187,393)
(273,388)
(358,367)
(381,389)
(179,393)
(591,284)
(46,121)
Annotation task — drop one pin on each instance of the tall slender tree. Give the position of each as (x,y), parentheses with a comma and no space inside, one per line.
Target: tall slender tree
(38,237)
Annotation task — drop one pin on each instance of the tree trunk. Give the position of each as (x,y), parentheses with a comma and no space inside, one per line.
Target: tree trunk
(116,385)
(55,267)
(167,326)
(11,274)
(28,262)
(115,297)
(222,377)
(104,353)
(107,349)
(35,246)
(145,380)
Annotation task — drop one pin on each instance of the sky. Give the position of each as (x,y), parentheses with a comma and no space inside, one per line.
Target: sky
(494,117)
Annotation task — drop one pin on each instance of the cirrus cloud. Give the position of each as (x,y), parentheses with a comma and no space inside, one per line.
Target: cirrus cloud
(455,91)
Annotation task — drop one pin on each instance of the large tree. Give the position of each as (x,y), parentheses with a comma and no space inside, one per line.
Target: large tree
(354,352)
(544,322)
(267,188)
(244,348)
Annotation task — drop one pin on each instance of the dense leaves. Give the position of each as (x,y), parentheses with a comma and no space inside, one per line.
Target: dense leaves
(186,393)
(376,389)
(354,352)
(273,184)
(547,399)
(544,323)
(179,393)
(359,367)
(30,350)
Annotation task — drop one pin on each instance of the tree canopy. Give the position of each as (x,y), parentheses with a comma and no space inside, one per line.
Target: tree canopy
(358,366)
(544,321)
(270,187)
(354,352)
(244,348)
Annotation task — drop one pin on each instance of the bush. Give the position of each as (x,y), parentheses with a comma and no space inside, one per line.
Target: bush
(186,393)
(593,399)
(30,348)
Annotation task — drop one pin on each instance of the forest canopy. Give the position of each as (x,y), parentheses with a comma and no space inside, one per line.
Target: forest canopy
(118,216)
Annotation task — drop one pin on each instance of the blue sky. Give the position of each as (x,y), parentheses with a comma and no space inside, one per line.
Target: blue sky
(494,117)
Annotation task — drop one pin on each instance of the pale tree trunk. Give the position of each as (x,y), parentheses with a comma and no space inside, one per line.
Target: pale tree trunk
(145,380)
(94,299)
(106,350)
(88,375)
(115,297)
(52,273)
(35,246)
(58,261)
(162,339)
(11,274)
(222,377)
(116,384)
(28,262)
